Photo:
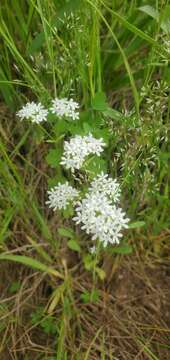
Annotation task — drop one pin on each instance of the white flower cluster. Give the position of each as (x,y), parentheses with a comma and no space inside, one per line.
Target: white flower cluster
(61,195)
(65,107)
(36,112)
(98,214)
(78,148)
(61,107)
(103,184)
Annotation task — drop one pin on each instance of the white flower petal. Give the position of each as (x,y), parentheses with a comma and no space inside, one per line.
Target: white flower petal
(61,195)
(35,112)
(65,107)
(78,148)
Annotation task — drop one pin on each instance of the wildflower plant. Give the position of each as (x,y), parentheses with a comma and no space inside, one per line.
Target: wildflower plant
(65,107)
(61,195)
(74,170)
(35,112)
(78,148)
(82,188)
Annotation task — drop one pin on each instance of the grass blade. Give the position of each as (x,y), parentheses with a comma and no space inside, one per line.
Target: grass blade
(34,264)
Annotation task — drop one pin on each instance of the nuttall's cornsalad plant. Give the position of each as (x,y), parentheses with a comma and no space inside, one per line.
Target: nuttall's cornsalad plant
(77,49)
(83,190)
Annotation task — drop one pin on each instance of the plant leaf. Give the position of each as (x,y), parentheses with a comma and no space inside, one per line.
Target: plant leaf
(124,249)
(164,19)
(55,298)
(99,102)
(66,232)
(35,264)
(100,272)
(114,114)
(150,10)
(73,245)
(54,156)
(165,23)
(136,224)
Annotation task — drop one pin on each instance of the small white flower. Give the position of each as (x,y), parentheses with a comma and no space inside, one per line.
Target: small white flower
(95,146)
(35,112)
(65,107)
(61,196)
(92,249)
(107,186)
(100,218)
(78,148)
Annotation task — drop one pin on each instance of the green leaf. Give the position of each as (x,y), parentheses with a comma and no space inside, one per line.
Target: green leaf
(66,232)
(49,325)
(114,114)
(68,212)
(150,10)
(87,128)
(36,43)
(95,165)
(85,297)
(164,156)
(124,249)
(37,315)
(55,180)
(76,128)
(15,286)
(101,273)
(55,298)
(88,261)
(60,127)
(86,116)
(88,297)
(42,223)
(136,224)
(35,264)
(9,213)
(131,27)
(54,156)
(99,102)
(164,19)
(94,295)
(102,133)
(73,245)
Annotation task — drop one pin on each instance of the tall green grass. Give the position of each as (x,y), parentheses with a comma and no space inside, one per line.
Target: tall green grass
(73,48)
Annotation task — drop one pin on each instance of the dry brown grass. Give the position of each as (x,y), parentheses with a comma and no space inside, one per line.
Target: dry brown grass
(131,320)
